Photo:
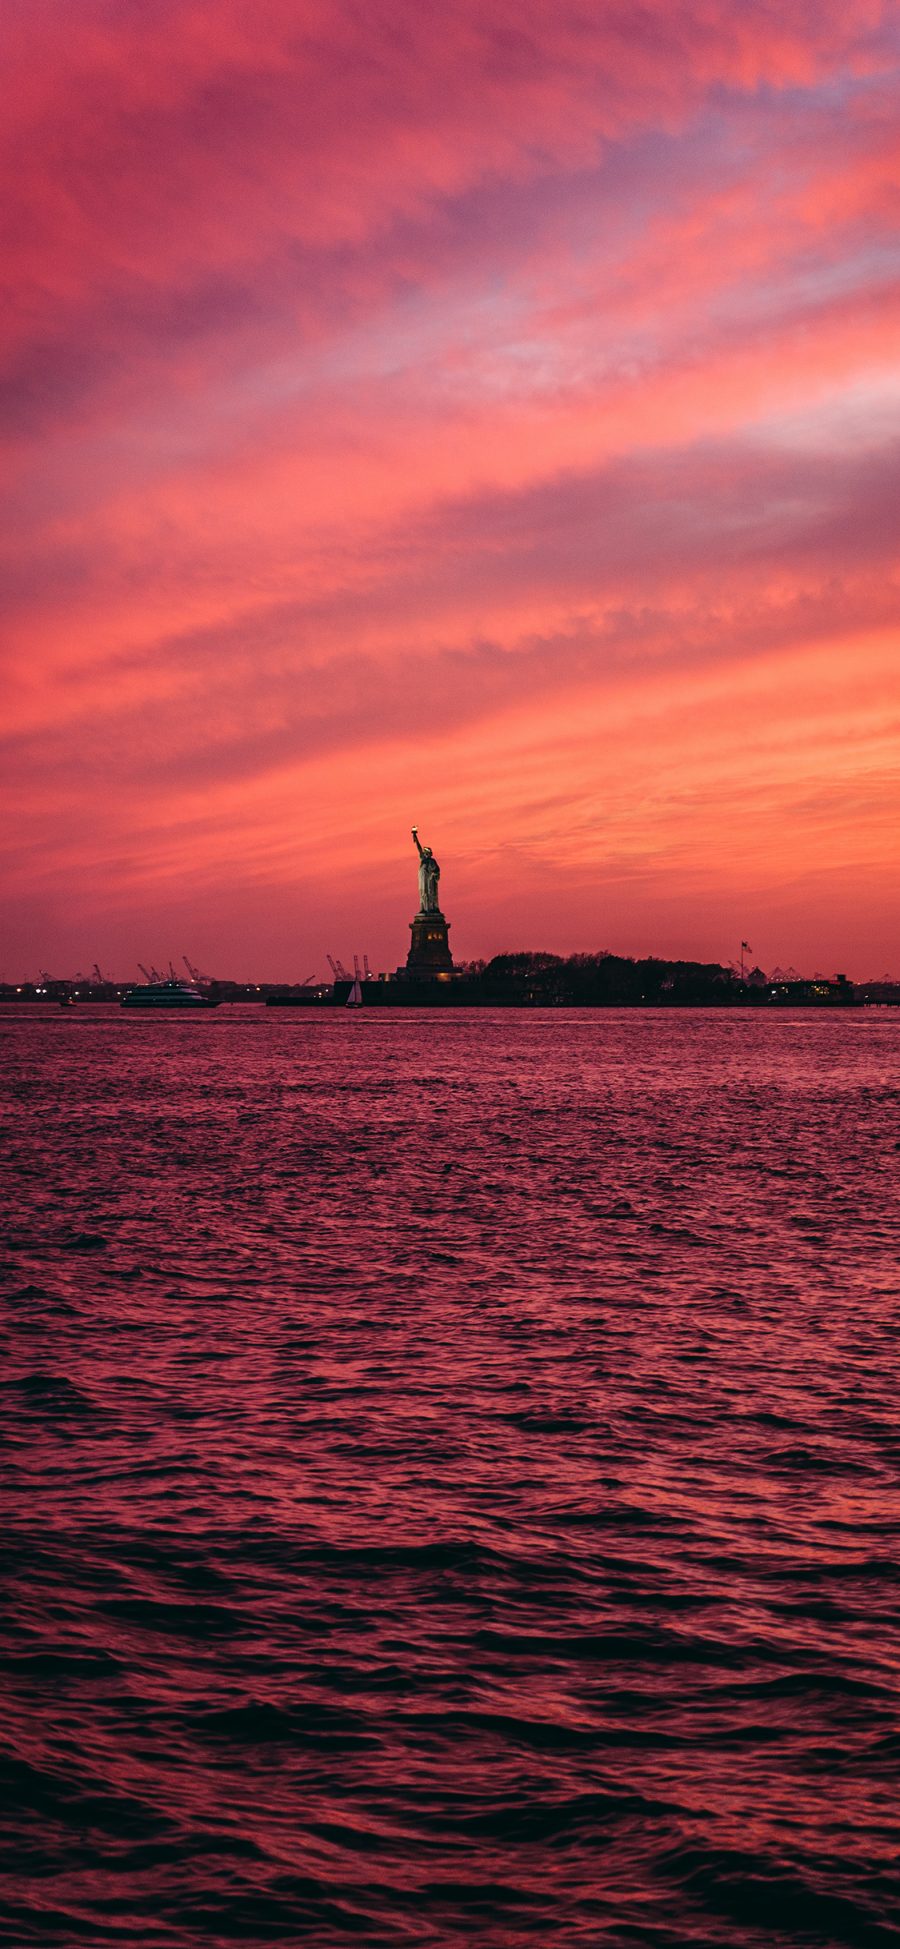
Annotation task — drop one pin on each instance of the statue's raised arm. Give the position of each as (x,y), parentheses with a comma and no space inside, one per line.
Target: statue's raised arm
(415,833)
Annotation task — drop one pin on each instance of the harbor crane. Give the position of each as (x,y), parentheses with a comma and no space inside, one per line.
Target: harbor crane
(367,968)
(337,968)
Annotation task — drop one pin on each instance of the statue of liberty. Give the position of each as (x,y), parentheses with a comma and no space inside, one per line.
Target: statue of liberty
(429,874)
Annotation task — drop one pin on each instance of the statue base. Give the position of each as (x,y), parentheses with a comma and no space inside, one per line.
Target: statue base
(429,949)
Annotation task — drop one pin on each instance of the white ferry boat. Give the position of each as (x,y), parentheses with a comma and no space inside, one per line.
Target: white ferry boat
(172,993)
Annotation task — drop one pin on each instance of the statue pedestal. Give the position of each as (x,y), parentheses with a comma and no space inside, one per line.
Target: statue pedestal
(429,949)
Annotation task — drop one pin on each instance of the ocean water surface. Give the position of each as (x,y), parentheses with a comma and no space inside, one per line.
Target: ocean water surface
(450,1475)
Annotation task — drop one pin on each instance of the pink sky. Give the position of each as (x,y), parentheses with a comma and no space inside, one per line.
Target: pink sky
(486,416)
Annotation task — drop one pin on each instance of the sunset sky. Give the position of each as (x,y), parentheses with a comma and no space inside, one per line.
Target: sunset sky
(485,416)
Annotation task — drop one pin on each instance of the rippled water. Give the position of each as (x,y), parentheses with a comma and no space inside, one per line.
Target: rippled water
(450,1465)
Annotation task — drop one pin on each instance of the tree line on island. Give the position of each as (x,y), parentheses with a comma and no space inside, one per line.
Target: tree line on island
(618,981)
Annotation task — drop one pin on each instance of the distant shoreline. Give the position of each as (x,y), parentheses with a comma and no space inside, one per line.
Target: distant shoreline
(525,979)
(24,1006)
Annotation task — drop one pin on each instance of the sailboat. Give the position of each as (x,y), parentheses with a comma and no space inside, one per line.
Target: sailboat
(354,999)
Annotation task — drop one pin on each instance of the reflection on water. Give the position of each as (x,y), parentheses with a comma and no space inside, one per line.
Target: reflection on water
(450,1468)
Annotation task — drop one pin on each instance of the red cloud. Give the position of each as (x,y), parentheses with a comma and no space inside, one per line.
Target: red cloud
(364,374)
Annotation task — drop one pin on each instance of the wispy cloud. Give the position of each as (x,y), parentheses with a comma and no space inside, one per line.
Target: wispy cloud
(379,386)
